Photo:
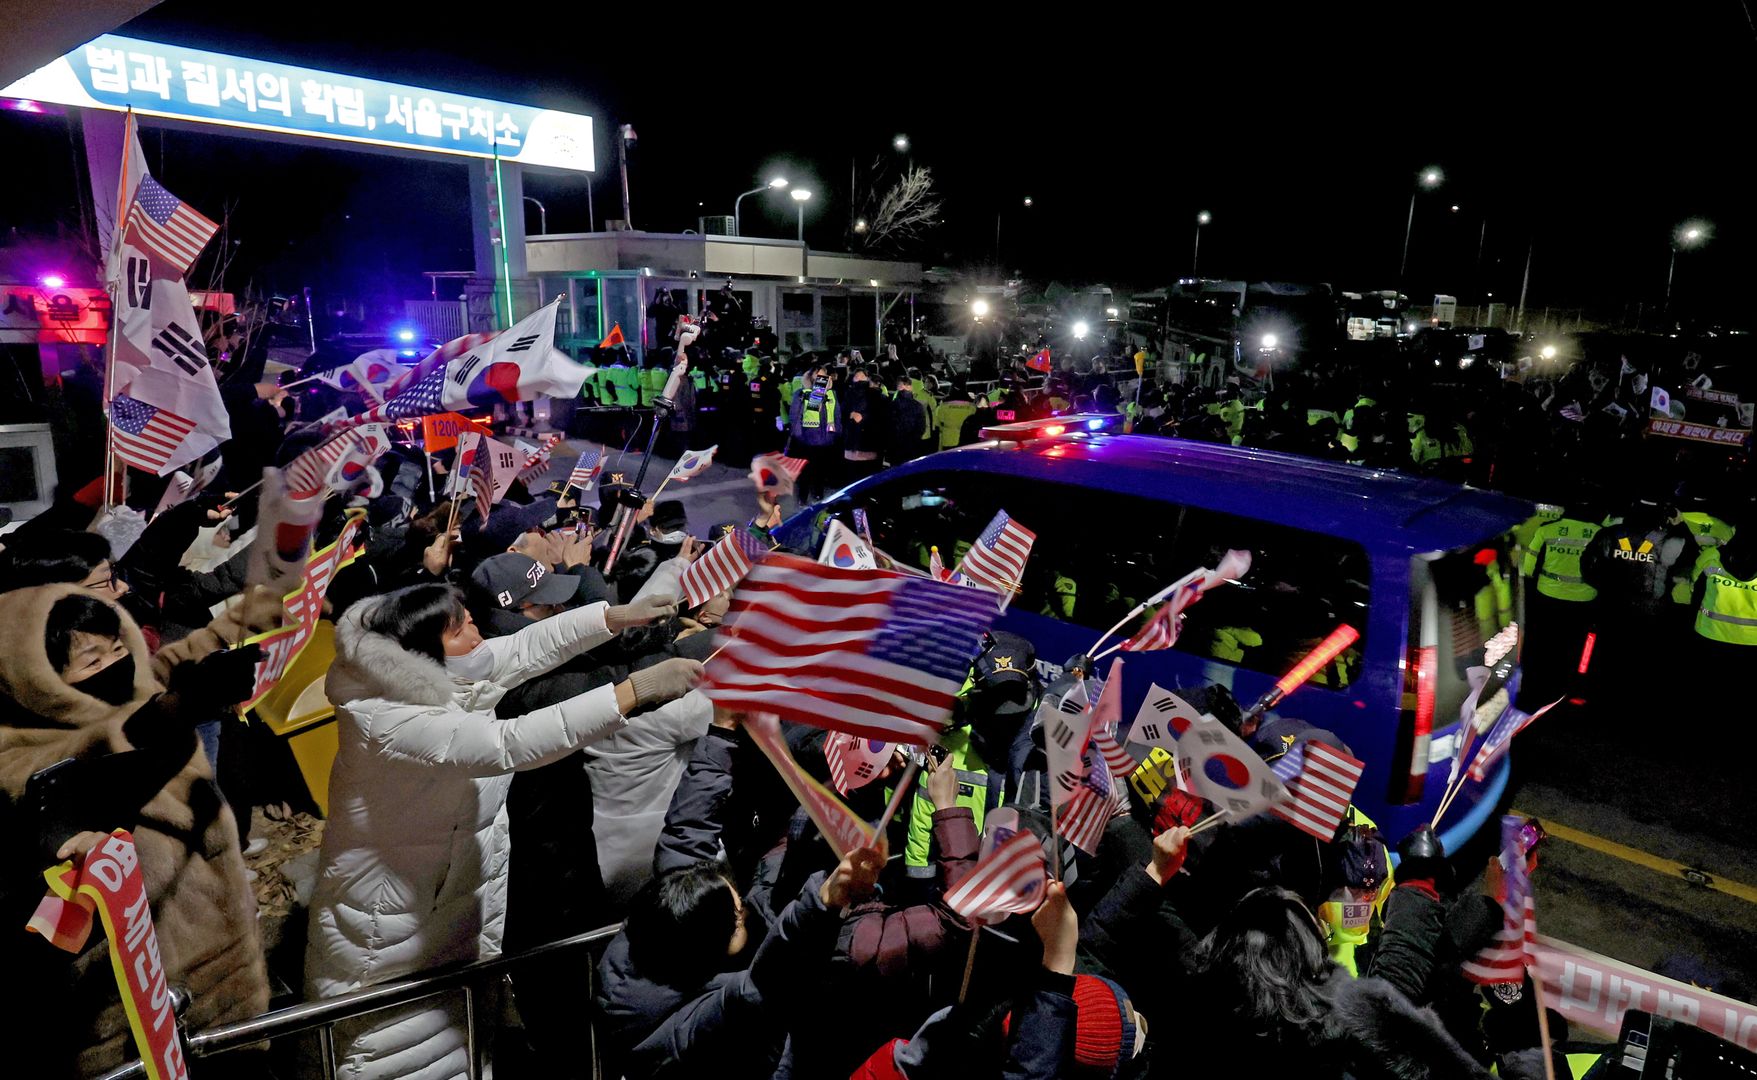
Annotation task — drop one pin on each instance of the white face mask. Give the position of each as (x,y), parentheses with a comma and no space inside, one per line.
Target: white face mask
(474,665)
(670,537)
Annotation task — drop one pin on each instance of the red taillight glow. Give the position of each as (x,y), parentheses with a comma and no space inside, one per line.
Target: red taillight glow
(1586,651)
(1423,670)
(1055,429)
(1328,649)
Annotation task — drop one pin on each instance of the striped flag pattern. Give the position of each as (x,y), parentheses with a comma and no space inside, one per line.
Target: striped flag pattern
(586,469)
(1090,806)
(482,480)
(145,436)
(722,567)
(536,464)
(1321,780)
(1159,633)
(1500,737)
(1010,881)
(1119,761)
(436,361)
(329,462)
(854,761)
(1505,958)
(997,559)
(165,227)
(864,651)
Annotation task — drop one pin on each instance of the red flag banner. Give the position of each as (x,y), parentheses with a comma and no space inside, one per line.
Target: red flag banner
(831,815)
(109,883)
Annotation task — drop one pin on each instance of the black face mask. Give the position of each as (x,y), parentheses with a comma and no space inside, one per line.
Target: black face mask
(114,685)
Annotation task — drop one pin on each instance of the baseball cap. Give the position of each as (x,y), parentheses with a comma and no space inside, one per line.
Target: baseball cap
(513,580)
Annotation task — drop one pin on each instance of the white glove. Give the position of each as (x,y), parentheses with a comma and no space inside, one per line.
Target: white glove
(664,681)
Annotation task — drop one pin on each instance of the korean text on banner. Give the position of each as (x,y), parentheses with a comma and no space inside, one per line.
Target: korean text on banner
(109,881)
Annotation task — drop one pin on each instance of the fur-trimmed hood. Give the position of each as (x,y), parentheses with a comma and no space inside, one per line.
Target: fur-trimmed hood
(373,665)
(1390,1037)
(27,677)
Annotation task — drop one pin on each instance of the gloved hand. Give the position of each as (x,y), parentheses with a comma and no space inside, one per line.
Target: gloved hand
(215,682)
(645,610)
(664,681)
(1423,858)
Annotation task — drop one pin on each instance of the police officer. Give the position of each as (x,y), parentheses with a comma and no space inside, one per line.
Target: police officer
(1726,601)
(1559,612)
(815,436)
(1632,564)
(995,705)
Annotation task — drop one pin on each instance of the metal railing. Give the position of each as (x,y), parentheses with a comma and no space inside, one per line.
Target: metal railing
(438,320)
(322,1016)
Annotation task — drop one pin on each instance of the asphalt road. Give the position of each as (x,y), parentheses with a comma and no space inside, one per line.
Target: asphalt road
(1633,792)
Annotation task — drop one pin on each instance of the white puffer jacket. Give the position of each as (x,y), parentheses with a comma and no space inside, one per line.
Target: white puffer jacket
(415,851)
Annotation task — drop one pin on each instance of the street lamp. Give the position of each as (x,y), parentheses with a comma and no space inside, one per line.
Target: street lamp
(542,216)
(1081,330)
(979,308)
(1028,201)
(1203,217)
(1430,178)
(1687,235)
(773,185)
(901,144)
(800,195)
(860,226)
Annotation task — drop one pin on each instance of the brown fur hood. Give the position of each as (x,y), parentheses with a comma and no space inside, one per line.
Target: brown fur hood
(187,840)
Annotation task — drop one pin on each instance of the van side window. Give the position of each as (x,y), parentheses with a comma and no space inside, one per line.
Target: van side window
(1098,554)
(1302,585)
(1095,557)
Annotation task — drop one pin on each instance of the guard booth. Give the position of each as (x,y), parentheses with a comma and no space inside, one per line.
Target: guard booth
(810,299)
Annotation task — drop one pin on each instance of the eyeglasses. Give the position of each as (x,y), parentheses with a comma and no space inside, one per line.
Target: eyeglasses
(107,583)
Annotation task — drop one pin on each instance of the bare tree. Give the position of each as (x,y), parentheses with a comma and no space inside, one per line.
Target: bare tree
(907,212)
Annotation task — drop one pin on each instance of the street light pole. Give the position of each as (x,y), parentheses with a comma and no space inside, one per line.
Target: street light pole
(625,135)
(1524,285)
(1202,218)
(542,216)
(737,222)
(1430,178)
(800,195)
(1686,236)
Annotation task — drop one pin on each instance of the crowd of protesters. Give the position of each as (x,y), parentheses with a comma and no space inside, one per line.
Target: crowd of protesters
(523,755)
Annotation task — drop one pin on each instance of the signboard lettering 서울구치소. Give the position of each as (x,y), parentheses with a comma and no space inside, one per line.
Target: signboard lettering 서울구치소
(112,72)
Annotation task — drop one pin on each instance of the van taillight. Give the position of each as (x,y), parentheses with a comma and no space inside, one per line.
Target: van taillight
(1419,677)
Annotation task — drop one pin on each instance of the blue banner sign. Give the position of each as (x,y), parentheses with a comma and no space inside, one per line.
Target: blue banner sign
(114,72)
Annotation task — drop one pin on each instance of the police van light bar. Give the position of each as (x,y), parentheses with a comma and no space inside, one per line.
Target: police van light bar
(1050,427)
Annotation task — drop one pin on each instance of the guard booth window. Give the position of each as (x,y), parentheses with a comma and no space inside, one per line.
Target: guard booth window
(1098,554)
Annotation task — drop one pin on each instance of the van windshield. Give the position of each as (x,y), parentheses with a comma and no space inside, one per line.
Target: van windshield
(1476,594)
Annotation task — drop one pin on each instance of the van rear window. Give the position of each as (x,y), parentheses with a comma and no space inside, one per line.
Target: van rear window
(1098,554)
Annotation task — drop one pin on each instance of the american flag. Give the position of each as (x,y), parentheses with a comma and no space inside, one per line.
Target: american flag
(1321,780)
(692,464)
(482,480)
(775,474)
(305,475)
(1119,761)
(997,559)
(166,228)
(723,566)
(1090,804)
(145,436)
(586,469)
(864,651)
(854,761)
(420,399)
(1010,881)
(1500,736)
(1505,958)
(1159,633)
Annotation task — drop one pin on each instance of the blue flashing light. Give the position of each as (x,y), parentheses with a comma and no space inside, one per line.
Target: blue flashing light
(405,335)
(1094,425)
(409,352)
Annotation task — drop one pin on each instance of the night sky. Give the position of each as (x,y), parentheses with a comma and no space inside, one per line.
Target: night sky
(1302,136)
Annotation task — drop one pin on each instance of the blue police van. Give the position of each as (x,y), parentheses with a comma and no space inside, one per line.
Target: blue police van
(1424,570)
